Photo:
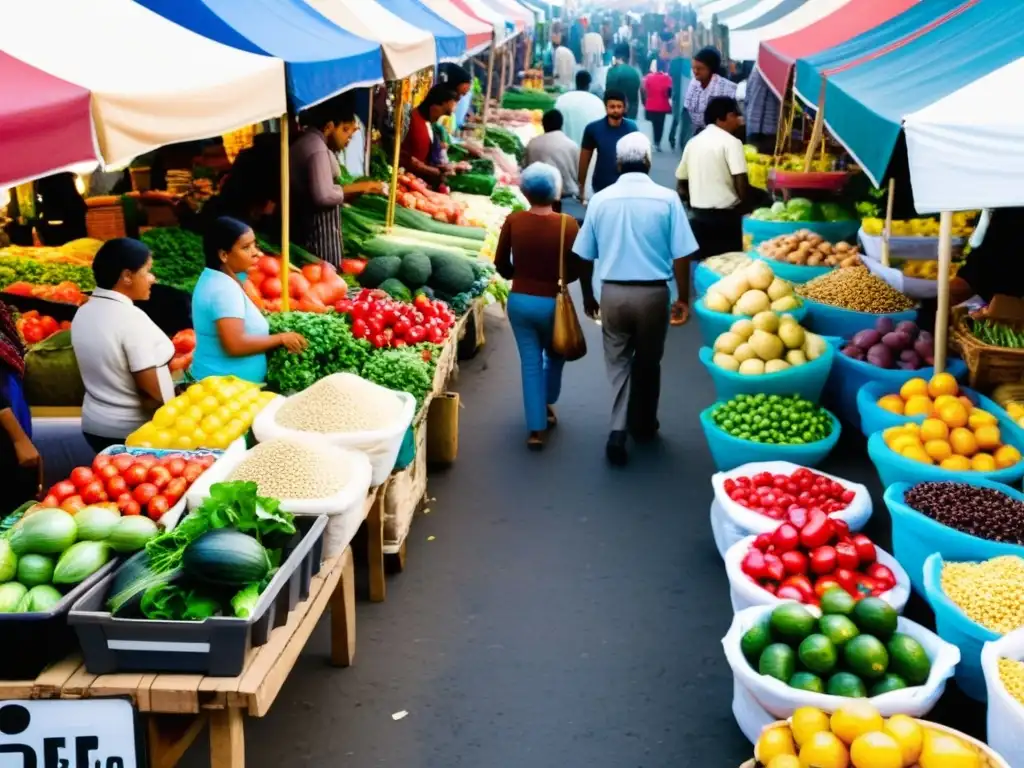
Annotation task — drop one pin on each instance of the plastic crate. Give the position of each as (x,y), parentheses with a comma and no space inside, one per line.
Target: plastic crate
(216,646)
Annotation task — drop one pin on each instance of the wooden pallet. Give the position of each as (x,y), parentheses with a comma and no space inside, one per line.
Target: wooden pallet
(178,707)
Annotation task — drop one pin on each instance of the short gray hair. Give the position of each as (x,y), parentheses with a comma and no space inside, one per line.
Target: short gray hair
(633,148)
(540,183)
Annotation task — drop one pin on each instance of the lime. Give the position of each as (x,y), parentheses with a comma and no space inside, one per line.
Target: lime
(818,654)
(838,629)
(875,616)
(908,659)
(779,661)
(846,685)
(806,681)
(754,641)
(889,682)
(866,657)
(837,600)
(792,622)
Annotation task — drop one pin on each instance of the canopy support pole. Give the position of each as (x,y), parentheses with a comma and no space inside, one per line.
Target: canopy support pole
(393,187)
(942,313)
(817,132)
(501,81)
(286,205)
(369,132)
(487,90)
(887,230)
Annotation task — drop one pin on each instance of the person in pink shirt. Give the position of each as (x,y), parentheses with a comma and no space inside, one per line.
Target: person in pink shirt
(657,94)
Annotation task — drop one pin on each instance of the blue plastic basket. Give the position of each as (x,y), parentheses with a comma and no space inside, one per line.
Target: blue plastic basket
(893,468)
(874,419)
(114,450)
(703,278)
(953,626)
(849,376)
(915,536)
(835,321)
(714,324)
(794,273)
(729,452)
(806,380)
(833,231)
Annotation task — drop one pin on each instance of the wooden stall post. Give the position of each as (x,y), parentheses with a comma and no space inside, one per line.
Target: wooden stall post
(285,213)
(887,230)
(490,75)
(942,313)
(369,132)
(818,131)
(504,73)
(393,189)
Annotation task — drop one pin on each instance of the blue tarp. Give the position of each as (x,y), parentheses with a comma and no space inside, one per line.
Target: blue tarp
(321,59)
(919,59)
(451,41)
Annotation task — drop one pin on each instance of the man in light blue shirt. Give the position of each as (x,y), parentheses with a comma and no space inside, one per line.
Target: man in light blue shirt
(637,235)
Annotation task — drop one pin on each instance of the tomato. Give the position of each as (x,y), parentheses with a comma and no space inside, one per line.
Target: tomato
(271,288)
(72,504)
(823,560)
(102,460)
(763,541)
(794,562)
(379,341)
(865,548)
(32,332)
(846,555)
(146,460)
(268,265)
(803,584)
(48,326)
(135,475)
(116,486)
(753,564)
(63,489)
(818,531)
(176,466)
(131,508)
(353,266)
(156,507)
(176,489)
(847,580)
(402,326)
(786,537)
(122,461)
(375,322)
(882,574)
(81,476)
(298,286)
(205,461)
(824,584)
(94,492)
(145,492)
(312,272)
(107,472)
(360,329)
(436,335)
(773,567)
(123,498)
(416,334)
(50,501)
(158,476)
(192,471)
(789,592)
(343,306)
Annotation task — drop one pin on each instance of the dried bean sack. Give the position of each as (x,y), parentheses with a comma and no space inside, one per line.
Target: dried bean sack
(1004,680)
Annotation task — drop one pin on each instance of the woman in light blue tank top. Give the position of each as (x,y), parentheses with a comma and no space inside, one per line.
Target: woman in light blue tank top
(232,336)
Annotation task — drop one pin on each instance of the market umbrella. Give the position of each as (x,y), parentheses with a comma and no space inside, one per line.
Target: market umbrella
(450,40)
(717,8)
(479,33)
(503,25)
(745,41)
(406,49)
(322,59)
(188,88)
(523,18)
(777,54)
(45,123)
(747,10)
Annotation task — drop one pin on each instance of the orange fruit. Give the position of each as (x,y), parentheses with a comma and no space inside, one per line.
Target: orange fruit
(916,453)
(956,463)
(962,442)
(919,405)
(904,441)
(1007,456)
(939,450)
(954,414)
(978,418)
(934,429)
(915,386)
(983,462)
(942,400)
(943,384)
(988,437)
(966,402)
(891,403)
(892,433)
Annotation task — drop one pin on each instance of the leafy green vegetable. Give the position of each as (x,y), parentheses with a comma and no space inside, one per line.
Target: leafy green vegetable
(170,602)
(244,601)
(834,212)
(482,165)
(402,369)
(472,183)
(178,258)
(800,209)
(332,349)
(507,198)
(380,166)
(504,140)
(15,268)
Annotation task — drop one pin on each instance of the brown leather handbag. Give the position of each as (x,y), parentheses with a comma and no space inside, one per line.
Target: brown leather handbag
(567,339)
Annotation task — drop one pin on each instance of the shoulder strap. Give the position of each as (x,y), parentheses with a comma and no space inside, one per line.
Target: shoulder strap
(561,253)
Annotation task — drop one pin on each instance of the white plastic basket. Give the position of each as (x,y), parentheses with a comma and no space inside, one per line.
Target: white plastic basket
(746,594)
(738,521)
(1005,713)
(759,700)
(381,446)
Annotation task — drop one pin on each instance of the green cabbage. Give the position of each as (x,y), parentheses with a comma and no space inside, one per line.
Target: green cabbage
(762,214)
(778,208)
(834,212)
(800,209)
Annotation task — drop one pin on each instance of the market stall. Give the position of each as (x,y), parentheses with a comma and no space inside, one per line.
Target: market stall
(479,33)
(745,41)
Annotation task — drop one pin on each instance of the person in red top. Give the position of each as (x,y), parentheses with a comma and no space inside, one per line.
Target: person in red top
(421,149)
(657,93)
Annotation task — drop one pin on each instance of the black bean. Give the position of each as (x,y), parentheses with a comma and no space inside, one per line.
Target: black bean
(982,512)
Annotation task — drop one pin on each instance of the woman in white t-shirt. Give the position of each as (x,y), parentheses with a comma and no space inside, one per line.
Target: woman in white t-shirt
(121,353)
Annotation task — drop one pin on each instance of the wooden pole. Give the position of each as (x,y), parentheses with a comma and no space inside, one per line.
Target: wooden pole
(393,188)
(887,230)
(487,90)
(369,132)
(285,214)
(504,72)
(942,313)
(817,131)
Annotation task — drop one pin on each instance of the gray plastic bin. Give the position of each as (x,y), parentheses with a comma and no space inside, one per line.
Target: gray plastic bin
(216,646)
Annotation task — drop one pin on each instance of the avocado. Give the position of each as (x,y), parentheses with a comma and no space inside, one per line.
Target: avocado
(875,616)
(818,654)
(908,659)
(890,682)
(779,661)
(847,685)
(754,641)
(839,629)
(807,681)
(865,656)
(792,622)
(837,601)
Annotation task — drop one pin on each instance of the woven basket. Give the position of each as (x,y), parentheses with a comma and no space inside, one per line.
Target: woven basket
(993,760)
(105,222)
(988,366)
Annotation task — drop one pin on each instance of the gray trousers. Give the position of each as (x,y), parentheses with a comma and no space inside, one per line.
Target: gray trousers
(634,322)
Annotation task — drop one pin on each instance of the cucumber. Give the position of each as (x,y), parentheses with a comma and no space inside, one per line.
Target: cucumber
(47,532)
(131,534)
(226,557)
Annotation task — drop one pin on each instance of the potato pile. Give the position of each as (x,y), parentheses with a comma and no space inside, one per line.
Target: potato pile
(289,469)
(750,290)
(341,402)
(857,289)
(766,344)
(806,248)
(726,263)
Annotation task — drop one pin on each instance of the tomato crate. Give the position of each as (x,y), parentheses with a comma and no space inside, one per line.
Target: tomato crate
(217,646)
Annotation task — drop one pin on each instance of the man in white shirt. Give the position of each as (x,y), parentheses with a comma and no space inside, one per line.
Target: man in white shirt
(579,108)
(712,180)
(565,66)
(555,148)
(593,51)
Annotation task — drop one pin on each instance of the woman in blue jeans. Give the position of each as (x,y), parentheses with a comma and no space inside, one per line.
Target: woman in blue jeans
(528,253)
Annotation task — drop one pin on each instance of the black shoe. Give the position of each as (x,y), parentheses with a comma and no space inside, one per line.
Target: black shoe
(647,433)
(615,450)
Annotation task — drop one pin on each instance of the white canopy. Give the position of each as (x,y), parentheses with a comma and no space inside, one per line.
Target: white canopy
(747,16)
(963,153)
(406,49)
(163,85)
(490,15)
(716,6)
(744,44)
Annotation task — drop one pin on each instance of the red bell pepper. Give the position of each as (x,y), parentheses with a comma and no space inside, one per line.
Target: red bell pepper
(846,555)
(794,562)
(823,560)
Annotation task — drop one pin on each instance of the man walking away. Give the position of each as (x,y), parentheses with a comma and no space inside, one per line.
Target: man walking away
(564,66)
(657,93)
(625,78)
(712,180)
(593,51)
(579,108)
(637,235)
(601,136)
(556,149)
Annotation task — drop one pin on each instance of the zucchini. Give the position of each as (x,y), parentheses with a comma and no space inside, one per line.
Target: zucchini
(226,557)
(80,561)
(406,217)
(131,533)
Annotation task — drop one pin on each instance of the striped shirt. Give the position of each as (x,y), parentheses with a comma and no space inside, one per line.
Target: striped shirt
(316,197)
(761,107)
(697,98)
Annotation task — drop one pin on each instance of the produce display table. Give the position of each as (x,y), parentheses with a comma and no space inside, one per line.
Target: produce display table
(178,707)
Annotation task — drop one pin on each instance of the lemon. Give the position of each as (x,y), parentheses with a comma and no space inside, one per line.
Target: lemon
(1007,456)
(919,405)
(784,761)
(943,384)
(855,718)
(892,403)
(196,392)
(909,734)
(980,418)
(988,437)
(185,425)
(209,404)
(876,750)
(824,750)
(938,450)
(773,742)
(915,386)
(943,750)
(806,722)
(165,416)
(934,429)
